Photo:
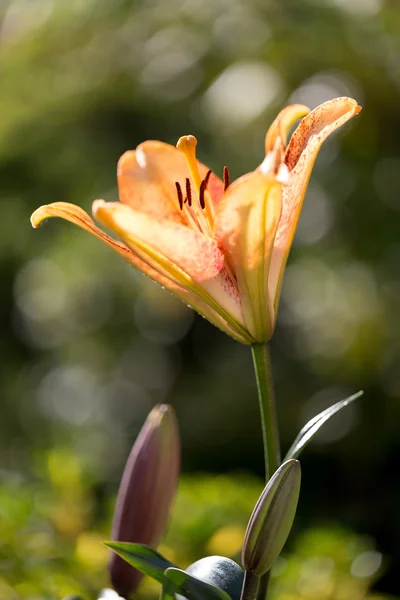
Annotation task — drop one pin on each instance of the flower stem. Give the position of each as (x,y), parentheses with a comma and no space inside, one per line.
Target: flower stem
(266,398)
(250,586)
(263,587)
(269,425)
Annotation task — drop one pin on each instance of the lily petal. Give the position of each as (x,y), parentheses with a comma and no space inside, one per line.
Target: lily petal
(147,176)
(79,217)
(300,156)
(183,255)
(180,251)
(245,226)
(283,123)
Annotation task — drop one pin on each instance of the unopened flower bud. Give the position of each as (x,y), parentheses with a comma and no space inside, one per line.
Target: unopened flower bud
(146,492)
(272,519)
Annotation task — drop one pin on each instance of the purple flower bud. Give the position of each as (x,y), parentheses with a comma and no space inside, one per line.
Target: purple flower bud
(146,492)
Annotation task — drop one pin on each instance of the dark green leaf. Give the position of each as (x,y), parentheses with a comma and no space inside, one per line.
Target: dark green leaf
(311,428)
(143,558)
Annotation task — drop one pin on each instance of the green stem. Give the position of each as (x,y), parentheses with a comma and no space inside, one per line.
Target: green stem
(263,587)
(250,586)
(269,425)
(266,398)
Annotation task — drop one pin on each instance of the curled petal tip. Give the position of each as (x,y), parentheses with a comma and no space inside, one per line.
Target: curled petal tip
(354,107)
(283,123)
(39,216)
(97,204)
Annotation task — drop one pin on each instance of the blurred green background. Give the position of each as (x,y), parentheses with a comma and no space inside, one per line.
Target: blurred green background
(88,346)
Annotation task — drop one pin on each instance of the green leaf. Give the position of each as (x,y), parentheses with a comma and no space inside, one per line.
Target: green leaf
(192,588)
(311,428)
(143,558)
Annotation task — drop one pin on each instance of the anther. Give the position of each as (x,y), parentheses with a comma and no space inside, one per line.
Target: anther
(201,194)
(180,195)
(203,187)
(188,192)
(226,178)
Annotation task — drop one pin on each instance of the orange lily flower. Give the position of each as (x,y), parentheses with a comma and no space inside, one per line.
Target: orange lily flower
(220,247)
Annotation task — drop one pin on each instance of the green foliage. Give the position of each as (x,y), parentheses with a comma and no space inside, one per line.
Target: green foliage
(53,527)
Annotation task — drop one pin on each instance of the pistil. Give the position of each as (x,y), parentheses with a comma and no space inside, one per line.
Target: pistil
(187,145)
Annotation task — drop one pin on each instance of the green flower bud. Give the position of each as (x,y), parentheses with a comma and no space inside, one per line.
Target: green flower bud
(272,519)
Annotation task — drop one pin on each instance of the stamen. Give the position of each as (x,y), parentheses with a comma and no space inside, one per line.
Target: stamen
(203,187)
(227,178)
(188,192)
(207,177)
(201,194)
(180,195)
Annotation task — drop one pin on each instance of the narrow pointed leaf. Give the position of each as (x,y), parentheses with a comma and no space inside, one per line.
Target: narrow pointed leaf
(192,588)
(310,429)
(144,559)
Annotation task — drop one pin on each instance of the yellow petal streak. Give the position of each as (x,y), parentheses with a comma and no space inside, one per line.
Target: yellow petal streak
(245,226)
